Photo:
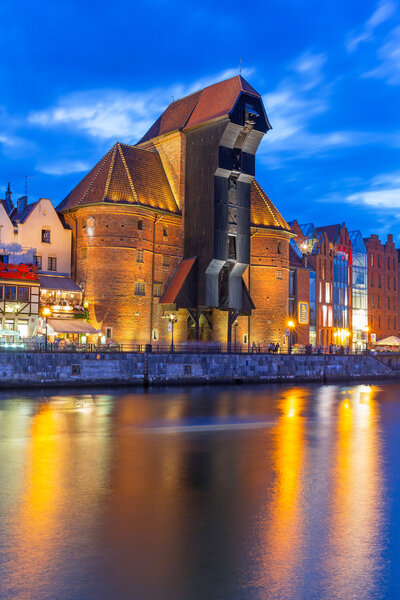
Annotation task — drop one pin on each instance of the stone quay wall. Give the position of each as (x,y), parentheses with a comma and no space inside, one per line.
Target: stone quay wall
(28,369)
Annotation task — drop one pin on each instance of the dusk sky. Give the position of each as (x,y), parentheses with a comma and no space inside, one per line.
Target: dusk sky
(76,76)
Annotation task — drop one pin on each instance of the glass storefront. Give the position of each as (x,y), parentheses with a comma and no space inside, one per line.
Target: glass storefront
(359,290)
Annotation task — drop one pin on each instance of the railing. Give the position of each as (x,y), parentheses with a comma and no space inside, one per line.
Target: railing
(179,348)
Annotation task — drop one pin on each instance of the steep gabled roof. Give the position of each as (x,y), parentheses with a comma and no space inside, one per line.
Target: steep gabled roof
(22,215)
(214,101)
(263,212)
(125,175)
(331,231)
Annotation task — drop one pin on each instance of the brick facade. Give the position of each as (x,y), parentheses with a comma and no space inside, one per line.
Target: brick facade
(383,286)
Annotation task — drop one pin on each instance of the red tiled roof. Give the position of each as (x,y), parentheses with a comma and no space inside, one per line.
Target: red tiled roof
(126,174)
(177,281)
(21,272)
(209,103)
(263,212)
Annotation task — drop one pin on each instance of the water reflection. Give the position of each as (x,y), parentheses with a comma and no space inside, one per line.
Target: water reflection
(250,493)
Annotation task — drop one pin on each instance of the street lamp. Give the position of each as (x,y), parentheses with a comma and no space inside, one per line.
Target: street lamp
(366,331)
(291,327)
(172,319)
(46,312)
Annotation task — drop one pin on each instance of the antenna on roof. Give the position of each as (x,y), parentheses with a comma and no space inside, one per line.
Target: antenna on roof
(240,66)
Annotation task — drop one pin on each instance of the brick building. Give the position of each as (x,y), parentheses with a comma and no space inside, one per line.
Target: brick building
(299,295)
(383,278)
(177,224)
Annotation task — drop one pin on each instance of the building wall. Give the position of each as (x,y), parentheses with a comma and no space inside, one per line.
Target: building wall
(301,335)
(323,265)
(383,278)
(107,266)
(269,281)
(23,241)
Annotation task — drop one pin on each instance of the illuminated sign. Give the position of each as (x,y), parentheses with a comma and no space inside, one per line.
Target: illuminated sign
(303,313)
(373,338)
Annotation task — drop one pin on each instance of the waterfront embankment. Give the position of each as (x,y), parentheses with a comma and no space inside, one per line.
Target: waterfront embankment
(27,369)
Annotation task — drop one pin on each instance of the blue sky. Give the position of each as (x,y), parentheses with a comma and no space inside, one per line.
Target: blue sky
(75,76)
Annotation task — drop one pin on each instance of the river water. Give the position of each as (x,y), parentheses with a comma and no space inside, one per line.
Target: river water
(218,493)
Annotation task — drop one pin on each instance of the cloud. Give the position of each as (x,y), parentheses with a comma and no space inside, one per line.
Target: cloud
(382,192)
(389,55)
(63,167)
(384,11)
(110,114)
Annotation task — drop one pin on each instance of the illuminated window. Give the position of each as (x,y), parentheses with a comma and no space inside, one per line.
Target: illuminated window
(327,292)
(139,256)
(46,236)
(140,288)
(324,315)
(330,316)
(372,260)
(157,290)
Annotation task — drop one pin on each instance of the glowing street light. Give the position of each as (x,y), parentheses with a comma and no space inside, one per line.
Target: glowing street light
(291,327)
(172,319)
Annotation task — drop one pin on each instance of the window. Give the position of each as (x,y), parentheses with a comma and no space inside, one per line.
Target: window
(83,252)
(23,294)
(372,280)
(139,256)
(157,290)
(139,288)
(372,302)
(165,231)
(46,236)
(109,333)
(379,260)
(165,261)
(388,282)
(389,302)
(52,264)
(279,273)
(11,292)
(379,281)
(327,292)
(154,335)
(232,247)
(291,283)
(379,321)
(324,315)
(4,258)
(379,301)
(279,248)
(245,338)
(394,322)
(394,283)
(372,260)
(140,225)
(1,292)
(320,291)
(37,260)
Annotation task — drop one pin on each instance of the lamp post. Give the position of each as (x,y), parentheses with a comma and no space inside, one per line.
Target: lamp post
(46,313)
(291,327)
(366,331)
(172,319)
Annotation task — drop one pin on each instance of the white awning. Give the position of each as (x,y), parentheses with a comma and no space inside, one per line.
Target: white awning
(71,326)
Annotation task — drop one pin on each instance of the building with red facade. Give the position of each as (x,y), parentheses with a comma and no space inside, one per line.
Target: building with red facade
(383,288)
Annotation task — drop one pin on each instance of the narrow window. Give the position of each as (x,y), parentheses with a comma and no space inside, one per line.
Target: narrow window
(46,236)
(245,338)
(157,290)
(4,258)
(139,288)
(231,247)
(155,335)
(140,225)
(52,263)
(165,232)
(37,261)
(379,281)
(1,292)
(279,273)
(109,333)
(165,261)
(139,256)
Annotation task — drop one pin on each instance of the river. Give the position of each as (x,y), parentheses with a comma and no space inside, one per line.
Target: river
(209,493)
